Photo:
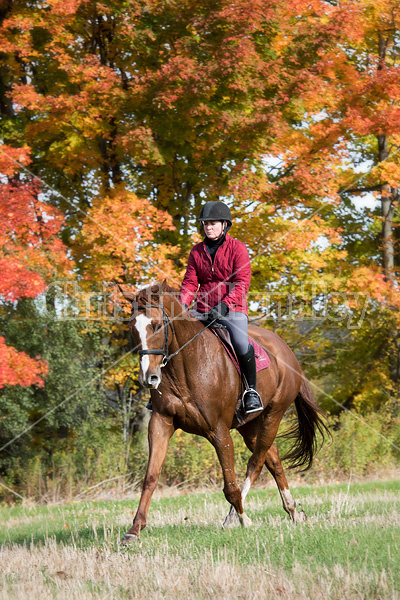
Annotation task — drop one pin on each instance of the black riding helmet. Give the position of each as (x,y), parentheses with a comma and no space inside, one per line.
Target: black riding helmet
(216,211)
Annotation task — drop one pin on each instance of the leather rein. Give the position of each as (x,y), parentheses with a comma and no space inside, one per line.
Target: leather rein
(167,323)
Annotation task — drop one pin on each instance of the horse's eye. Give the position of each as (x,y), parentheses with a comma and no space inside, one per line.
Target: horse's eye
(157,327)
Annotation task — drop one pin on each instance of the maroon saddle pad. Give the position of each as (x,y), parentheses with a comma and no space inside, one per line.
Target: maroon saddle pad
(262,359)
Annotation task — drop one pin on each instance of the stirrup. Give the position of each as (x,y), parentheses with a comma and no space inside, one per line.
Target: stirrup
(261,405)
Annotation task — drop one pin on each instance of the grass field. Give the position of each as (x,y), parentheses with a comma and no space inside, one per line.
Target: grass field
(348,548)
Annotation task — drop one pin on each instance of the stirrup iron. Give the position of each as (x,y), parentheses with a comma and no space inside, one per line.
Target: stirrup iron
(252,410)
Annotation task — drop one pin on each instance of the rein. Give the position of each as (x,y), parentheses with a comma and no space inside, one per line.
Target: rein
(167,323)
(187,343)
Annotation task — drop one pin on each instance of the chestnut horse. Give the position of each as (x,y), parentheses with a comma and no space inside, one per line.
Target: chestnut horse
(197,391)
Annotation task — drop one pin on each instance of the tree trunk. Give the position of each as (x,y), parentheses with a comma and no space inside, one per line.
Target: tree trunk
(388,199)
(389,195)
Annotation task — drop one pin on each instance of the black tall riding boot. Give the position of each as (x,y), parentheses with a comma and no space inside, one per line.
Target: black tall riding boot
(251,399)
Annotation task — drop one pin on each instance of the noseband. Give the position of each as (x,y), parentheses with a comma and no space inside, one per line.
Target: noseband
(167,323)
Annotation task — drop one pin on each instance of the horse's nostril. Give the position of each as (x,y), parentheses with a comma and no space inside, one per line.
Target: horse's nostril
(153,379)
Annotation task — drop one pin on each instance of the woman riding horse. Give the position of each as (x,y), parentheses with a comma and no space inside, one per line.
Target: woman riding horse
(198,395)
(195,386)
(220,265)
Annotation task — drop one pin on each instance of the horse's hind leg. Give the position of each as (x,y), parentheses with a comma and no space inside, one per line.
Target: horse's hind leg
(223,444)
(260,443)
(274,466)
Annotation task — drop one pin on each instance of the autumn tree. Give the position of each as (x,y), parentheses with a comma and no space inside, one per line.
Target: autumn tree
(178,101)
(272,106)
(31,254)
(341,146)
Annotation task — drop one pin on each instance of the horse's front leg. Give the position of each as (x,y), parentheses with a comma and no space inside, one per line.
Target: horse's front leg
(160,431)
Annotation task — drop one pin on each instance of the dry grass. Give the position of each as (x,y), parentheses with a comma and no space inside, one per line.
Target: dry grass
(70,552)
(54,571)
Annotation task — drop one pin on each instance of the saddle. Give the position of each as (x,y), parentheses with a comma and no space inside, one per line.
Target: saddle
(263,361)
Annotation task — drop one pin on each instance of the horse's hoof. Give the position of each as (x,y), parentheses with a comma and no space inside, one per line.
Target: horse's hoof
(300,516)
(232,520)
(128,538)
(245,521)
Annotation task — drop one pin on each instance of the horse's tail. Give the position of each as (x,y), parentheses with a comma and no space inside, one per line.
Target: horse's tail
(304,433)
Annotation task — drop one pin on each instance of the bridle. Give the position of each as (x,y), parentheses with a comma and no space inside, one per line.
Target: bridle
(167,322)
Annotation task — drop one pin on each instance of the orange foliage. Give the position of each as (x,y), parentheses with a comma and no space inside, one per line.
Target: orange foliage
(30,251)
(17,368)
(30,255)
(117,240)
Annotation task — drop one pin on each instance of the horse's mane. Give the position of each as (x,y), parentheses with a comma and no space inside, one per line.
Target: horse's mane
(155,292)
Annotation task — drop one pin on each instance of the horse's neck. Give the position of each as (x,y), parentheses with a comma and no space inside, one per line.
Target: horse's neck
(186,329)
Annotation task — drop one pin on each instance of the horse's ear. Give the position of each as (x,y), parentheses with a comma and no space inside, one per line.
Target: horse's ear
(156,290)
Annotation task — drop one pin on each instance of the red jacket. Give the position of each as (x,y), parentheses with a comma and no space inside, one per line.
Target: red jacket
(227,280)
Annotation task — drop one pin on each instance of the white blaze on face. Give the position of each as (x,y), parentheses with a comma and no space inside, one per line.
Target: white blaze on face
(141,324)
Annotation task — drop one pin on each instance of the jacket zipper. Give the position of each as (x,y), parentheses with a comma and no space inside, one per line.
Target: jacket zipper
(208,254)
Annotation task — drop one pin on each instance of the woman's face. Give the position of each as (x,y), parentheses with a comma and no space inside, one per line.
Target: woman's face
(213,229)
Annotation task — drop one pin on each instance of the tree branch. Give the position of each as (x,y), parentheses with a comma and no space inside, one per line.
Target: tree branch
(370,188)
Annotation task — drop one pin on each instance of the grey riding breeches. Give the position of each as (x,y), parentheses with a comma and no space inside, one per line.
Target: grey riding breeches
(236,324)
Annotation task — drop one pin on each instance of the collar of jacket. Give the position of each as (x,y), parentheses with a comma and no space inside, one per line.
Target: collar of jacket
(227,239)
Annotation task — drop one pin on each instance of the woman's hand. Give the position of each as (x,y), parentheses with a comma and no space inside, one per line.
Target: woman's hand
(217,312)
